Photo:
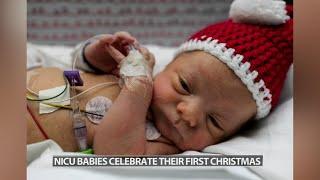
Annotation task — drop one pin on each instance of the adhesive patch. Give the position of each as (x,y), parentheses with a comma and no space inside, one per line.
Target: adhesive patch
(97,105)
(43,108)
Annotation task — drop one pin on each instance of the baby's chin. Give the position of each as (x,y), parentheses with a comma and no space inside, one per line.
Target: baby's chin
(175,138)
(170,132)
(162,125)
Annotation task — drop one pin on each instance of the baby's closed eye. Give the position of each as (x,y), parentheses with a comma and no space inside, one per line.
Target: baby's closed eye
(182,86)
(214,121)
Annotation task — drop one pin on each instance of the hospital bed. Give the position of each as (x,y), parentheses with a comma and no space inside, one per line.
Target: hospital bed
(271,137)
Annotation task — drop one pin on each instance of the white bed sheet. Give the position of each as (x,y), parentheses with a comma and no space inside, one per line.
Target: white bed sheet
(272,137)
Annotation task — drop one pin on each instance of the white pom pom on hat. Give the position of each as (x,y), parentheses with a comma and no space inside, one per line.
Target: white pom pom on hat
(266,12)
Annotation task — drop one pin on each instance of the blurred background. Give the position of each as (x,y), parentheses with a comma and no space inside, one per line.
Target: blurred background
(161,22)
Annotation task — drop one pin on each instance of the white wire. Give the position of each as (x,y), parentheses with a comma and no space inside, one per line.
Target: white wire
(73,67)
(77,54)
(87,90)
(74,61)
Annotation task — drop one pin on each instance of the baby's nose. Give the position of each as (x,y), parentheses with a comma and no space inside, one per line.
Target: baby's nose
(190,113)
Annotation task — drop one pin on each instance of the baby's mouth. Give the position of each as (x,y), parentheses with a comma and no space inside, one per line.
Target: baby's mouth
(175,122)
(171,123)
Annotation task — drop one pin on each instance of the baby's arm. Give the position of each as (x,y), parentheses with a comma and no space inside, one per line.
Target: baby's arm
(92,55)
(123,130)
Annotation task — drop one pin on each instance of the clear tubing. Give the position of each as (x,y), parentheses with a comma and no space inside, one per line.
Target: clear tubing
(78,121)
(80,130)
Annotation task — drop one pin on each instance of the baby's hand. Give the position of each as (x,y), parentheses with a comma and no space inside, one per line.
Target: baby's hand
(118,56)
(140,85)
(98,56)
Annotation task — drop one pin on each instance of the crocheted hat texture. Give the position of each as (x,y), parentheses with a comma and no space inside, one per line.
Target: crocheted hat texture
(260,55)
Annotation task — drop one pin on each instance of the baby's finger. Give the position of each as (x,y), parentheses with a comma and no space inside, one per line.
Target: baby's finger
(136,45)
(116,72)
(152,60)
(122,35)
(148,56)
(145,52)
(115,54)
(107,39)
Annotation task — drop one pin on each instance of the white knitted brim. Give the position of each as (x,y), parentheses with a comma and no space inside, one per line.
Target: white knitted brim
(260,93)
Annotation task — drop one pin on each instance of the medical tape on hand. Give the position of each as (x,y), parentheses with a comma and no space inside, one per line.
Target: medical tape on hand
(135,73)
(134,65)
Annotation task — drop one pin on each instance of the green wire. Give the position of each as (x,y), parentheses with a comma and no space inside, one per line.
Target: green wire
(87,151)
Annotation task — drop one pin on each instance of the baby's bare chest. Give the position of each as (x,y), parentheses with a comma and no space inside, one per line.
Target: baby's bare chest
(58,124)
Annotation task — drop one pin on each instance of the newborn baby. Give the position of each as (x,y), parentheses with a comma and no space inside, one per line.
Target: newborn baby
(197,101)
(225,75)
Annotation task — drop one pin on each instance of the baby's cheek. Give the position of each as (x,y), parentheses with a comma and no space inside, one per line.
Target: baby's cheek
(163,91)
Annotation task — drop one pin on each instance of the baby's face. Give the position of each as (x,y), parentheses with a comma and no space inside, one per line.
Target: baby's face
(198,101)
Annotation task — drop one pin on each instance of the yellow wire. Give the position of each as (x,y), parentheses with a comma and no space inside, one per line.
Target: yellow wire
(32,92)
(57,105)
(87,90)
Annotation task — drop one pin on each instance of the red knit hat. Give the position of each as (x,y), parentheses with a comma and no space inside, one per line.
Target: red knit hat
(256,43)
